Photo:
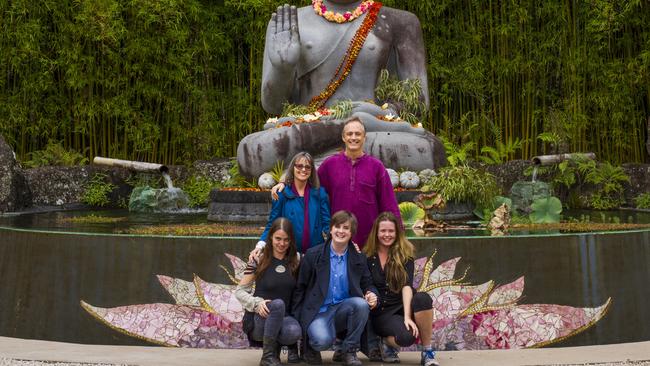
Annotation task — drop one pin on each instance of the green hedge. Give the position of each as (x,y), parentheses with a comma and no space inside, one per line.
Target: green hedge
(178,80)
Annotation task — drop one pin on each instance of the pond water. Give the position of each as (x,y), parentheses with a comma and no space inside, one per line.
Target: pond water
(125,222)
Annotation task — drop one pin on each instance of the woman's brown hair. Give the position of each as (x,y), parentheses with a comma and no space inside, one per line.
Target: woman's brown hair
(283,224)
(313,177)
(398,254)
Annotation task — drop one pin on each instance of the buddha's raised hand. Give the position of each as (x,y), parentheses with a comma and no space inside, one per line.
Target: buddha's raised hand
(284,45)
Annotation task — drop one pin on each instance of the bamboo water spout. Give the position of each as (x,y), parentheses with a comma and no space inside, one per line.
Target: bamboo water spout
(558,158)
(137,166)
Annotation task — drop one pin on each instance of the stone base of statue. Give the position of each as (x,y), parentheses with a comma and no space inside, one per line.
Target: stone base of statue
(398,145)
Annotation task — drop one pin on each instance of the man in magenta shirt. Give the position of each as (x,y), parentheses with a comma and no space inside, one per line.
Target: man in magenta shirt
(357,182)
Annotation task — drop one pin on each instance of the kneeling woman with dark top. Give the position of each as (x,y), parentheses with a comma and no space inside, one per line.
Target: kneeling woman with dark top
(402,314)
(274,276)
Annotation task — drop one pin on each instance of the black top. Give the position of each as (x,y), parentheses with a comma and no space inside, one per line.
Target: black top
(277,282)
(387,298)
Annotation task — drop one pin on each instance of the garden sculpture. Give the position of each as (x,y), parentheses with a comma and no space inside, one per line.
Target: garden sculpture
(333,51)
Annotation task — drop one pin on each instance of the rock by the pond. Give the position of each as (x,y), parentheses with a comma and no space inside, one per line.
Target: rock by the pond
(216,169)
(66,185)
(523,194)
(14,191)
(147,199)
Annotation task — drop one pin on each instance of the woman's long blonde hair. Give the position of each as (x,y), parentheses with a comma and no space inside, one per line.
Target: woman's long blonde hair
(398,254)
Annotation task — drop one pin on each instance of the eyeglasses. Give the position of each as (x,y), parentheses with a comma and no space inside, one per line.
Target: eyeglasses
(302,167)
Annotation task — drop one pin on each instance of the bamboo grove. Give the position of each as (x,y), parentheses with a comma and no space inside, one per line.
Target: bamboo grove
(173,81)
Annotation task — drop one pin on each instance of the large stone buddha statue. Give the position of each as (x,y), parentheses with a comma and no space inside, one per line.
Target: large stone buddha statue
(330,51)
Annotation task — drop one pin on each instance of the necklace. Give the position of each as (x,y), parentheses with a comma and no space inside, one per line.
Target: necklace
(343,70)
(348,16)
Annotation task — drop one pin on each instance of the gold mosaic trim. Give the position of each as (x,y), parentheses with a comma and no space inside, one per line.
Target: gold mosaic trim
(230,276)
(90,311)
(200,295)
(478,305)
(457,282)
(579,330)
(428,267)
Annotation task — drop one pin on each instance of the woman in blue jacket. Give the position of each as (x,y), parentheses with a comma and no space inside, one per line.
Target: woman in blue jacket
(309,225)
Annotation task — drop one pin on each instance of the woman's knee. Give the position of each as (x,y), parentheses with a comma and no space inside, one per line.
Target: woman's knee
(404,338)
(276,306)
(290,332)
(421,301)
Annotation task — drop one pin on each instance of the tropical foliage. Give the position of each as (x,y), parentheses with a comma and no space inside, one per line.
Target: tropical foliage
(97,190)
(410,213)
(464,183)
(198,190)
(173,81)
(54,154)
(546,210)
(642,201)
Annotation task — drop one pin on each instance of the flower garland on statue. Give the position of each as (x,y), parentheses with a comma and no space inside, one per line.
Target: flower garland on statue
(348,16)
(343,70)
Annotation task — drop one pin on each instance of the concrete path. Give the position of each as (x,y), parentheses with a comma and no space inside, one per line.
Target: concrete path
(15,351)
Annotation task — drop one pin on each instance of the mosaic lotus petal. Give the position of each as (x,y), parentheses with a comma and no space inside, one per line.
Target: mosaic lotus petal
(207,315)
(183,292)
(219,299)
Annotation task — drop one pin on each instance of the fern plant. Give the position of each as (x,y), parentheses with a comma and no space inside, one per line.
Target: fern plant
(55,154)
(502,152)
(610,181)
(642,201)
(198,190)
(457,155)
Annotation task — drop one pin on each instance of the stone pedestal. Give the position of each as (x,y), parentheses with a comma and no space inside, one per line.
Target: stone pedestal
(239,206)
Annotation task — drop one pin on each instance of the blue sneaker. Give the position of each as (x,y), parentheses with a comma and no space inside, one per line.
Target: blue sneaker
(428,358)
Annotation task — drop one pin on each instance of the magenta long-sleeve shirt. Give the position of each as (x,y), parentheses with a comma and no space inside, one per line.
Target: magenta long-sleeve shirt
(362,187)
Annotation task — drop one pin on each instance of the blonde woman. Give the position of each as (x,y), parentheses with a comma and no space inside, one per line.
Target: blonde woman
(402,313)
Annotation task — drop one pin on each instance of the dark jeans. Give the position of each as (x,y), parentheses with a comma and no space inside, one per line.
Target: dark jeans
(349,316)
(285,329)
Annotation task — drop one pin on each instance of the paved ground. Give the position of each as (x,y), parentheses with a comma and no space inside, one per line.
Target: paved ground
(22,352)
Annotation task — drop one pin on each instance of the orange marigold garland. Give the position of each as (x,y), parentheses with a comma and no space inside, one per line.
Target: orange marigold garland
(343,70)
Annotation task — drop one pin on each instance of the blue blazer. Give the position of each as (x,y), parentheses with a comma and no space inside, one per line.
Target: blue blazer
(292,207)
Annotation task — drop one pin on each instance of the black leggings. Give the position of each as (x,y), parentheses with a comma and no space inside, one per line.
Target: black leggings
(391,322)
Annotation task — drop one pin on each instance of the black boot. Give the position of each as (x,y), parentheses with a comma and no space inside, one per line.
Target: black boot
(269,353)
(292,354)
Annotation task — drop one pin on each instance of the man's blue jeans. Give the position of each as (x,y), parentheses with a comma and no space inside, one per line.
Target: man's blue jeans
(349,316)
